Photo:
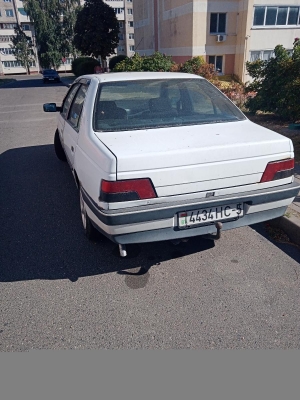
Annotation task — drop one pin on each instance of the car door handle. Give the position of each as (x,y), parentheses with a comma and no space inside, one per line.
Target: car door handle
(72,148)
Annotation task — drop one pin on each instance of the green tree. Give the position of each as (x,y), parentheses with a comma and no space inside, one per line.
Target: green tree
(23,49)
(96,29)
(54,25)
(276,83)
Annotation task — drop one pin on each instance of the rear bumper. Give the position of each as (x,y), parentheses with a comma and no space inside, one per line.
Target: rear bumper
(159,222)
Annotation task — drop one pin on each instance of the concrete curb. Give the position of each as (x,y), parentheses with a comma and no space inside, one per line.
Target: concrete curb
(290,225)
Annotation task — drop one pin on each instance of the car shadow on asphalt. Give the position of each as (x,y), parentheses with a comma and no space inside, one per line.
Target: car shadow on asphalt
(42,236)
(292,250)
(29,83)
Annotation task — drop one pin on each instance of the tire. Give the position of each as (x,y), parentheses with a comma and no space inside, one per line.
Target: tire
(59,151)
(89,230)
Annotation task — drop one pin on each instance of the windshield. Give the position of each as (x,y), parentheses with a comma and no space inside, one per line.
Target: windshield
(146,104)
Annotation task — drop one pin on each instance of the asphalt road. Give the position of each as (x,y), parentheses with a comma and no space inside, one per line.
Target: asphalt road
(60,291)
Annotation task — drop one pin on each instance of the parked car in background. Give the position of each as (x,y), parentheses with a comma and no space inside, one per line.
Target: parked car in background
(50,75)
(166,156)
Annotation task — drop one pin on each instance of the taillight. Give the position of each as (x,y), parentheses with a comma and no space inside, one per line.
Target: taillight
(278,170)
(132,189)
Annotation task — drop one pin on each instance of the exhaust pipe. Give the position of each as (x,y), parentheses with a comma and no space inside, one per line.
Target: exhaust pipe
(122,250)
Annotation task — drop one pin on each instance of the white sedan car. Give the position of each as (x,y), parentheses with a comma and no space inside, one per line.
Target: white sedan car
(166,156)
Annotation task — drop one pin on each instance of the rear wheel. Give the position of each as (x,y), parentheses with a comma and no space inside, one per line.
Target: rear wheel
(59,151)
(89,230)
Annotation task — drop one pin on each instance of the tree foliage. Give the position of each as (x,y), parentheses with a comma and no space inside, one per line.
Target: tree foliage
(96,29)
(23,49)
(277,83)
(54,22)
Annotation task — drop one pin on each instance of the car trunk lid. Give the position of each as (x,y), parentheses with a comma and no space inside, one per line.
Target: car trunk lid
(196,158)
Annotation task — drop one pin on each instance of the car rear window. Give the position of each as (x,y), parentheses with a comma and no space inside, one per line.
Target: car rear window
(50,71)
(146,104)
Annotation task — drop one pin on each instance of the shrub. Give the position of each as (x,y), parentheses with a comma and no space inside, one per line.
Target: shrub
(76,62)
(133,63)
(193,65)
(84,65)
(87,66)
(115,60)
(276,83)
(155,62)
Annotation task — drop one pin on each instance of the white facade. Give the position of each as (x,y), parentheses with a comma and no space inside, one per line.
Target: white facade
(12,12)
(124,13)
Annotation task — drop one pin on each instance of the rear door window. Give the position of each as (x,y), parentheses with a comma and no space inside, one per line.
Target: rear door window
(68,100)
(76,107)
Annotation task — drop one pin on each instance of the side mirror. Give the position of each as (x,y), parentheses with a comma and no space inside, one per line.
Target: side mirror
(51,107)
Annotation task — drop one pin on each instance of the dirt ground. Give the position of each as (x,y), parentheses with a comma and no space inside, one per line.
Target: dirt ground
(274,123)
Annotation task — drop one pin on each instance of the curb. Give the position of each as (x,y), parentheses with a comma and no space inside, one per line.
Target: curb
(290,225)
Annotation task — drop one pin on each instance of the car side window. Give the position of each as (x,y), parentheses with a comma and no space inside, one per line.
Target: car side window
(76,107)
(68,100)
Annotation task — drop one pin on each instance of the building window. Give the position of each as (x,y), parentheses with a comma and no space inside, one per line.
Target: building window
(129,1)
(11,64)
(272,16)
(9,13)
(217,23)
(118,10)
(16,64)
(131,35)
(217,61)
(265,55)
(131,48)
(130,24)
(121,48)
(121,36)
(7,1)
(6,51)
(26,27)
(22,11)
(121,24)
(8,26)
(129,11)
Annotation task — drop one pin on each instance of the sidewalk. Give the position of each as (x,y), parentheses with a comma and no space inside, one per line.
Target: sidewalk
(290,222)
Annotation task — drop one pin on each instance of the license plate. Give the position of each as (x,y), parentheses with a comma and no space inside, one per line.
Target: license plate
(51,79)
(206,215)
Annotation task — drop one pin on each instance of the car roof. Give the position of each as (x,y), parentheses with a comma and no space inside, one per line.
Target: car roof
(123,76)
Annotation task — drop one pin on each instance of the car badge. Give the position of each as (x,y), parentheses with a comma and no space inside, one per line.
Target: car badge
(210,194)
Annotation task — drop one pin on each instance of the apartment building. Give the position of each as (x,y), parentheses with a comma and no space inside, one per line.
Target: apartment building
(124,13)
(226,33)
(12,13)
